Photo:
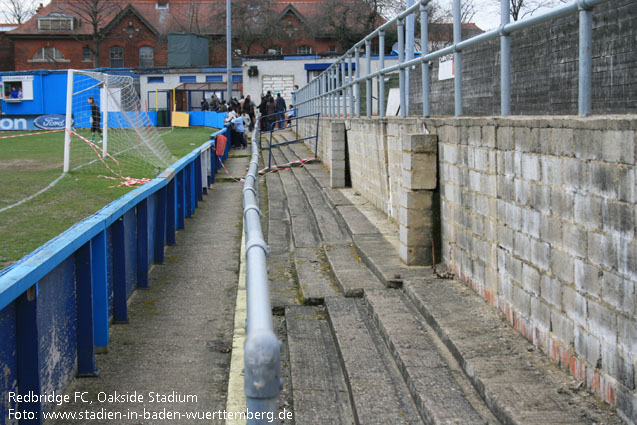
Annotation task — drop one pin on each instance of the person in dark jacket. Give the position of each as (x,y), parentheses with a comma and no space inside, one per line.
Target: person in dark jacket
(248,108)
(95,119)
(280,109)
(270,109)
(204,105)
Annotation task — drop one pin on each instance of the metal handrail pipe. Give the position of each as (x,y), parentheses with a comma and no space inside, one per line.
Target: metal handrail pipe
(507,29)
(262,360)
(485,36)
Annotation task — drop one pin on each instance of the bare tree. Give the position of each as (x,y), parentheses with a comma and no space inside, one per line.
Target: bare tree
(349,21)
(522,8)
(95,14)
(18,11)
(190,20)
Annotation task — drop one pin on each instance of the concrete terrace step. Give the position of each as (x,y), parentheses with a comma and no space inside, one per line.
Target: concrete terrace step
(312,269)
(370,244)
(318,385)
(378,393)
(304,228)
(352,277)
(332,231)
(519,385)
(283,288)
(437,391)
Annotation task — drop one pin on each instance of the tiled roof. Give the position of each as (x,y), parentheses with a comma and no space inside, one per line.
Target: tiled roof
(202,17)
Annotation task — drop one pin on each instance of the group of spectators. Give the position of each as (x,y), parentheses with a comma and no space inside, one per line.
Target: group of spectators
(274,110)
(241,114)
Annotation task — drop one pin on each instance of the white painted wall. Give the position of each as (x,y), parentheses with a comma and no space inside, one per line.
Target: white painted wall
(294,67)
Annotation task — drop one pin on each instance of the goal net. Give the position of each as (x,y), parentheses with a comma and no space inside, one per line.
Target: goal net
(107,132)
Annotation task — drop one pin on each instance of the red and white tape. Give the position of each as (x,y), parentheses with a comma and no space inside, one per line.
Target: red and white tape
(101,154)
(28,134)
(283,167)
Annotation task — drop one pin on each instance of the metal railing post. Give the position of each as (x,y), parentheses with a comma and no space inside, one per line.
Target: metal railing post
(381,78)
(338,85)
(368,81)
(323,95)
(351,87)
(409,50)
(457,58)
(357,86)
(401,59)
(424,48)
(343,88)
(584,95)
(330,96)
(505,60)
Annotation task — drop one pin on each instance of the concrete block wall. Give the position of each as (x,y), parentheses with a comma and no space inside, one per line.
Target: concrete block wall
(544,65)
(539,217)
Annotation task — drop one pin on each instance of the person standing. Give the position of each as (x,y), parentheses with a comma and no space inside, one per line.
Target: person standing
(95,119)
(205,106)
(248,108)
(270,109)
(280,108)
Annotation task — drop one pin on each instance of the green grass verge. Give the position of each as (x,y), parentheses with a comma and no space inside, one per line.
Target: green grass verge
(29,164)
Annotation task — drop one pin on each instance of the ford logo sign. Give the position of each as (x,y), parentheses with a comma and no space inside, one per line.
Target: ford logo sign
(50,122)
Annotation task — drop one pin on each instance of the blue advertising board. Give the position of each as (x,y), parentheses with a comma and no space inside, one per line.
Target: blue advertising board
(32,122)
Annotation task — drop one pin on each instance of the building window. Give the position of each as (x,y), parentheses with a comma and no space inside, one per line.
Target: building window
(86,54)
(48,54)
(332,49)
(275,50)
(56,22)
(146,57)
(161,4)
(214,78)
(188,79)
(150,80)
(116,54)
(304,50)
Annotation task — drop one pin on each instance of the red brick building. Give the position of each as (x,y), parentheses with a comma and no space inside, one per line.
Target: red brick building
(134,34)
(6,47)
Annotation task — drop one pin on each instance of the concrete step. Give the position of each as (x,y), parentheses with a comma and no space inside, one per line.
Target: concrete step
(442,393)
(352,276)
(304,229)
(314,277)
(332,231)
(319,391)
(374,249)
(378,393)
(321,174)
(276,225)
(519,385)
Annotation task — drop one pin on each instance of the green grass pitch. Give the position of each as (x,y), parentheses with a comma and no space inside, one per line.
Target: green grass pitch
(29,164)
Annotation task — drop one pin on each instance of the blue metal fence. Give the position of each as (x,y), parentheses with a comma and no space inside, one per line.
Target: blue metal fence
(333,87)
(57,302)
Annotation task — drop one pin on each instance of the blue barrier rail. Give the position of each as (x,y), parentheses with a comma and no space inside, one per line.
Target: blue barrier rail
(57,302)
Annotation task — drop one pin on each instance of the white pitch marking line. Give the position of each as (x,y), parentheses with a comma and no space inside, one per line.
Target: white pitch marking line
(28,198)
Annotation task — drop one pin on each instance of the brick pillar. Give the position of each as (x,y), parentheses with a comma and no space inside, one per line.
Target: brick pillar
(336,154)
(416,215)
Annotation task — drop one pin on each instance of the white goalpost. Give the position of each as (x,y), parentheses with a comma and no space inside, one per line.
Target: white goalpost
(107,131)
